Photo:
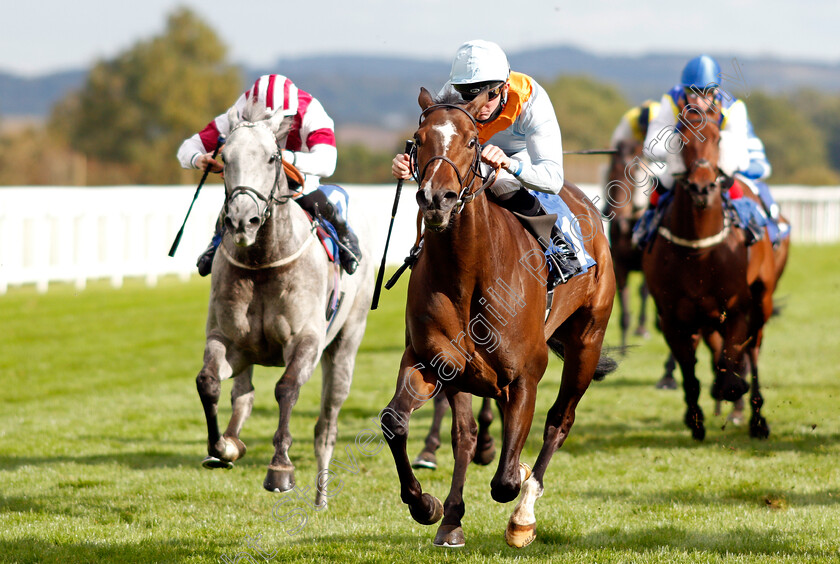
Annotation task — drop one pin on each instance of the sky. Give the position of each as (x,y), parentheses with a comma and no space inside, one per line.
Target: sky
(43,36)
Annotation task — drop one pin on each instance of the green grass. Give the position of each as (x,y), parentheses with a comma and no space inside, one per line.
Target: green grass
(102,433)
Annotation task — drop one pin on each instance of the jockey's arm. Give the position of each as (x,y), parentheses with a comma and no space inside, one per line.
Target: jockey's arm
(196,151)
(660,129)
(734,152)
(759,167)
(540,167)
(318,137)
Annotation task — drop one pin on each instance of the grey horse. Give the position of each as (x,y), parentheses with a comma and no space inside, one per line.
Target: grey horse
(270,290)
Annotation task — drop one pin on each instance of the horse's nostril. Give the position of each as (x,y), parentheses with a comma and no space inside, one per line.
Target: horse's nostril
(228,223)
(254,221)
(450,196)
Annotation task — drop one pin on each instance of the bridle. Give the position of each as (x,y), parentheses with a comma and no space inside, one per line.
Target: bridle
(254,194)
(697,164)
(464,197)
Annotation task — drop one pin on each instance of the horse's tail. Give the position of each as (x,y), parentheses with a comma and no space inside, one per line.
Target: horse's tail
(606,364)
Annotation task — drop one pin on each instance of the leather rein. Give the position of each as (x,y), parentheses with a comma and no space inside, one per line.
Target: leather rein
(464,197)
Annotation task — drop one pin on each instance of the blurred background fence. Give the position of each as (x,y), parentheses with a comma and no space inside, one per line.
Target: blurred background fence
(55,234)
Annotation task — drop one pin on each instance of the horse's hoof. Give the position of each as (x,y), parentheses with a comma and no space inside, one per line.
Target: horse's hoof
(732,389)
(450,536)
(520,536)
(642,332)
(426,460)
(667,383)
(433,510)
(759,429)
(279,479)
(735,418)
(695,423)
(486,455)
(234,449)
(524,472)
(212,463)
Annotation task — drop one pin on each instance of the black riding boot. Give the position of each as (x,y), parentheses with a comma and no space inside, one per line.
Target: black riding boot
(562,262)
(205,261)
(349,253)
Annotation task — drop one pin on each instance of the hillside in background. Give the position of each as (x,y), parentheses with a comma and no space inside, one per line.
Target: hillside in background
(382,91)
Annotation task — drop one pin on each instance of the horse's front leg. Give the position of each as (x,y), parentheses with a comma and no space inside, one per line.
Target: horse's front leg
(517,415)
(415,386)
(730,383)
(583,350)
(464,432)
(683,344)
(304,355)
(220,363)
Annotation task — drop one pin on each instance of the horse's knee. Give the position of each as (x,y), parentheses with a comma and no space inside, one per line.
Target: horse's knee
(208,385)
(505,486)
(394,425)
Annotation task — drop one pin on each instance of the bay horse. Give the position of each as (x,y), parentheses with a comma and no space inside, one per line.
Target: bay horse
(271,281)
(476,324)
(623,213)
(706,282)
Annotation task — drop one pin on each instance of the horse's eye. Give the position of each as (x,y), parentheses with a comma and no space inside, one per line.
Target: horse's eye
(271,159)
(472,143)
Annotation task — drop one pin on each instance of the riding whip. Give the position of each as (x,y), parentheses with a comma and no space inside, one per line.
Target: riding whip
(378,288)
(219,142)
(592,152)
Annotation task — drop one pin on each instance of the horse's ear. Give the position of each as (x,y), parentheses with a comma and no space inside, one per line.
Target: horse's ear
(478,102)
(233,116)
(425,99)
(280,125)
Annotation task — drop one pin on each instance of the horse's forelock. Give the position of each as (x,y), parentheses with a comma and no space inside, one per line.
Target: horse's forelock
(450,97)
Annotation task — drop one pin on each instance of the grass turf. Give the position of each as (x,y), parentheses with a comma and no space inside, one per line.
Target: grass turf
(102,434)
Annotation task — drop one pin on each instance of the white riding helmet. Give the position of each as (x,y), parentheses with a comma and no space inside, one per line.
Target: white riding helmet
(271,93)
(479,61)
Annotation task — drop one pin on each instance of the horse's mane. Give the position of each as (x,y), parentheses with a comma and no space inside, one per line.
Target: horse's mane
(255,113)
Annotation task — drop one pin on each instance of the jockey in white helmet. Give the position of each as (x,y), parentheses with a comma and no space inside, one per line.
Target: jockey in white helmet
(309,147)
(517,128)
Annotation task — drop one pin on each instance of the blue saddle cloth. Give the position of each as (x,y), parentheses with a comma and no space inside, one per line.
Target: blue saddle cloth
(570,227)
(746,214)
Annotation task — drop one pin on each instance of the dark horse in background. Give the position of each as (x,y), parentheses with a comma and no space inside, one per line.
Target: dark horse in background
(707,283)
(623,211)
(476,325)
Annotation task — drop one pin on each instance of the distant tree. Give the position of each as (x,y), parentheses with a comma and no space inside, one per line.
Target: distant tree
(358,164)
(823,111)
(588,110)
(795,147)
(137,108)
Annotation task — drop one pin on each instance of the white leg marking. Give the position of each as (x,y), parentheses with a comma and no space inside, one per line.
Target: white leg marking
(524,512)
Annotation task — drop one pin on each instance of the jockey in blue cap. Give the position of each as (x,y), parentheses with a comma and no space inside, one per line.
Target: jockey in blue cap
(741,151)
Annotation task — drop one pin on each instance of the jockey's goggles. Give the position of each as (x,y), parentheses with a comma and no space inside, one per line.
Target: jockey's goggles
(469,91)
(694,92)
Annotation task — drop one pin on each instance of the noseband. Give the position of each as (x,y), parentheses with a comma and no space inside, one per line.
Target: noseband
(474,165)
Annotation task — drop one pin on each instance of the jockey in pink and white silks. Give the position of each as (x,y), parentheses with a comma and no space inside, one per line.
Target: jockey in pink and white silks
(310,147)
